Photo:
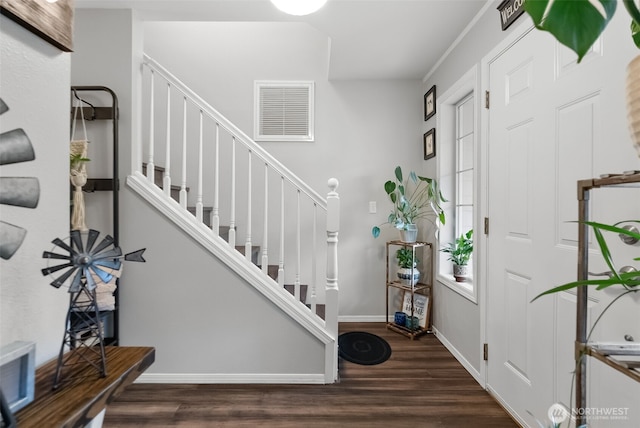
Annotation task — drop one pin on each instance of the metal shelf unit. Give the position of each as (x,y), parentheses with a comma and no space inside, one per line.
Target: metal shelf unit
(112,184)
(420,288)
(629,368)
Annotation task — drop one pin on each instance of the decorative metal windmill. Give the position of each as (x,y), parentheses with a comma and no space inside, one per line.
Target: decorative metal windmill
(87,265)
(15,147)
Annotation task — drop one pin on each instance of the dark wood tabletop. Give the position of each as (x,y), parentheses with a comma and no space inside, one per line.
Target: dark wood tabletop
(83,394)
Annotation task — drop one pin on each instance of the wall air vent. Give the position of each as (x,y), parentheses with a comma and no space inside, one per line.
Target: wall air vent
(283,111)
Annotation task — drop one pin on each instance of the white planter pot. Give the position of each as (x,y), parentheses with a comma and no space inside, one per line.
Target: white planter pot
(460,273)
(409,234)
(404,274)
(633,101)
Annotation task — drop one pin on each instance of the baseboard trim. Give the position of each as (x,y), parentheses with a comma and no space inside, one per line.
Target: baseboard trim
(230,378)
(362,318)
(510,411)
(458,356)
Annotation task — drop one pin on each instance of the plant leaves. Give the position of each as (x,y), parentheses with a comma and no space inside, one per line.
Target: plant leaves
(604,249)
(633,10)
(614,228)
(389,187)
(375,231)
(399,174)
(635,33)
(629,279)
(576,24)
(441,217)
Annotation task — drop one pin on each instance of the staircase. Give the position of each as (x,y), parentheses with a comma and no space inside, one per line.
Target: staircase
(272,270)
(240,204)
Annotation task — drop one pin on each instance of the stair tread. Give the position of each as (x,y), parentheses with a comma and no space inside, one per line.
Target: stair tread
(303,291)
(272,271)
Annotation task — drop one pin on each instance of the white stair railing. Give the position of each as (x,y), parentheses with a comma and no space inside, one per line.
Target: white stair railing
(216,161)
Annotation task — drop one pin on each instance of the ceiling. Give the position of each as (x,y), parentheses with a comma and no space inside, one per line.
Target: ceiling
(370,39)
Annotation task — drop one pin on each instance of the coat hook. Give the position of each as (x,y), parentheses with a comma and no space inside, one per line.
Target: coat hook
(93,108)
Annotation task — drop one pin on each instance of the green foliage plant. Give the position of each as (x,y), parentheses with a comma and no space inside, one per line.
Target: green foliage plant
(577,24)
(405,258)
(461,249)
(413,198)
(76,160)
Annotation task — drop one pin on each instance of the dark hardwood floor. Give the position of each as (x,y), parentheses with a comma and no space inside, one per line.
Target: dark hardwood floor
(420,385)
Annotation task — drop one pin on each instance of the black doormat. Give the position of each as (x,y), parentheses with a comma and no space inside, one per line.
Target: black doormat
(363,348)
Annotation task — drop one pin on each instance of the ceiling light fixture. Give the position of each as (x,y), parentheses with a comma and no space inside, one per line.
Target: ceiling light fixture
(298,7)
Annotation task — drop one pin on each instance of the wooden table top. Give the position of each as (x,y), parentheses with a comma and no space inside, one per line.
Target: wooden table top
(83,394)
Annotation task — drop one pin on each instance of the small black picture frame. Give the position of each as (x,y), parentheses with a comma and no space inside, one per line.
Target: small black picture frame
(430,103)
(429,142)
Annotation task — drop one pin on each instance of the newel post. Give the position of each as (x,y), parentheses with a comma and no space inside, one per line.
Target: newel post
(333,227)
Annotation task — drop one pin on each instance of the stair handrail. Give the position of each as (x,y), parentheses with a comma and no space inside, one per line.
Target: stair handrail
(225,123)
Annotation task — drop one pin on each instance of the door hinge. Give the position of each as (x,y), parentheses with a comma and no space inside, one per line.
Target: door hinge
(486,225)
(485,353)
(486,99)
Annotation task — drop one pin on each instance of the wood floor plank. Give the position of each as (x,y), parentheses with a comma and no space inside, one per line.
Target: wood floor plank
(420,385)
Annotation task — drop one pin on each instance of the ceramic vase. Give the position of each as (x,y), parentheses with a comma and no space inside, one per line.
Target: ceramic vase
(404,274)
(409,234)
(460,272)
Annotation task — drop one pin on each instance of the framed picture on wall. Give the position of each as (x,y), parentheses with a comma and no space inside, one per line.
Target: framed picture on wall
(429,142)
(51,21)
(430,103)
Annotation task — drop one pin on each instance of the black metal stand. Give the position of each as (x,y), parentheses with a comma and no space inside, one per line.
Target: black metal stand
(83,335)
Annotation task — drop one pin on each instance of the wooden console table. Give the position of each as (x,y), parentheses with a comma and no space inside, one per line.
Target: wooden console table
(82,397)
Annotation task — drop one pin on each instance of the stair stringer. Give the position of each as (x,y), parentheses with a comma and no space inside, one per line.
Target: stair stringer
(269,288)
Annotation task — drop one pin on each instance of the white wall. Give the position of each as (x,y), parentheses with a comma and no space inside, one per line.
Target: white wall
(463,332)
(34,83)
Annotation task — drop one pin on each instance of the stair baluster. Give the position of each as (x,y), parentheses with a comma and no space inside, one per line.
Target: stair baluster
(281,258)
(215,213)
(265,227)
(166,178)
(232,220)
(183,185)
(199,190)
(152,105)
(247,244)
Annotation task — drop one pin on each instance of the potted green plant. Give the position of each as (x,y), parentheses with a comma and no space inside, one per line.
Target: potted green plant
(76,160)
(577,24)
(460,252)
(413,199)
(408,271)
